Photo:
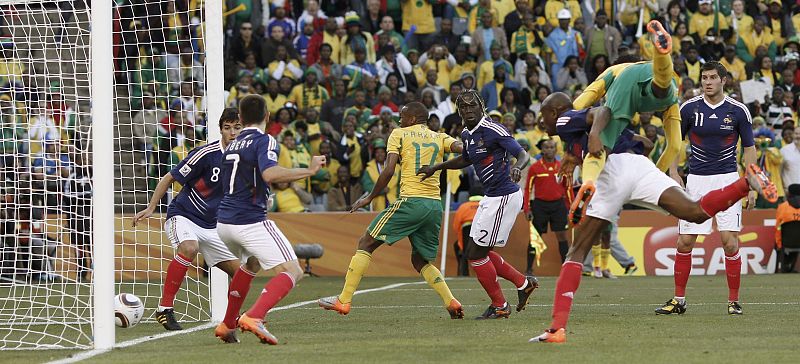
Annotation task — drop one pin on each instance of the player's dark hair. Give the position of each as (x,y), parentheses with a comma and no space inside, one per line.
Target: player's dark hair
(627,58)
(419,111)
(252,110)
(230,114)
(714,65)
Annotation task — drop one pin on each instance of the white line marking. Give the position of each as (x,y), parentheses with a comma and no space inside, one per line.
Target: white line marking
(92,353)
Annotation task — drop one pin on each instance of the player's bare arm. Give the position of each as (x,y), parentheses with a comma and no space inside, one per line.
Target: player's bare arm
(455,163)
(380,184)
(158,194)
(598,118)
(278,174)
(647,143)
(457,147)
(523,158)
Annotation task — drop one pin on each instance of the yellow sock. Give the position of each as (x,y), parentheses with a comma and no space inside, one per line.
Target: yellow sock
(595,256)
(358,265)
(604,253)
(434,278)
(591,167)
(662,69)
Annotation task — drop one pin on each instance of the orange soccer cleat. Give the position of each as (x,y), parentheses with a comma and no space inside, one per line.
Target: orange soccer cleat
(551,336)
(256,326)
(661,38)
(455,310)
(760,183)
(332,303)
(225,334)
(577,210)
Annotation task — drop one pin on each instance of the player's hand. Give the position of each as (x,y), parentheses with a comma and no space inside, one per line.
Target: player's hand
(425,171)
(751,200)
(595,145)
(529,216)
(144,214)
(364,201)
(516,174)
(673,173)
(317,162)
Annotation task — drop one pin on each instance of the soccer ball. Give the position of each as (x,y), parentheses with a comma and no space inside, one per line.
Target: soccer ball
(128,310)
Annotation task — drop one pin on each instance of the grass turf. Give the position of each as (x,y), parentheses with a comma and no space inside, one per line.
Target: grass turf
(612,321)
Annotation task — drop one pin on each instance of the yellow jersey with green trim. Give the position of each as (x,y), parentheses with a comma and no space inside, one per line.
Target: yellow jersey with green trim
(418,146)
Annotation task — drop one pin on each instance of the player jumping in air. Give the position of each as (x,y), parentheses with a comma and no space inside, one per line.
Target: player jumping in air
(249,164)
(714,123)
(489,147)
(630,88)
(192,215)
(625,178)
(417,214)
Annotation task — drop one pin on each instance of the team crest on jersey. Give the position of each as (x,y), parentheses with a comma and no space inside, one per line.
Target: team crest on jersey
(480,143)
(185,170)
(272,156)
(727,120)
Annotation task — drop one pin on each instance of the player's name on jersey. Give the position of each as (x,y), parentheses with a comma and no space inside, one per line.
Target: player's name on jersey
(240,144)
(418,134)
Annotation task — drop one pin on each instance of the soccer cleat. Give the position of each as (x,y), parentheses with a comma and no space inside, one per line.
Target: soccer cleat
(630,269)
(167,319)
(256,326)
(495,312)
(760,183)
(577,209)
(607,274)
(225,334)
(455,310)
(525,294)
(332,303)
(661,38)
(734,308)
(597,273)
(551,336)
(670,307)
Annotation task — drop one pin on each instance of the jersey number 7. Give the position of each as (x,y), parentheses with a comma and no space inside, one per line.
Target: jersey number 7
(418,153)
(235,159)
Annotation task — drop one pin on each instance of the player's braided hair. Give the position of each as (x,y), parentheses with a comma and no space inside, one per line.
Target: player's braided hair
(469,97)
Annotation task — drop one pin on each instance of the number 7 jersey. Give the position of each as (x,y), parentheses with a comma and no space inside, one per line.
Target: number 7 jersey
(418,146)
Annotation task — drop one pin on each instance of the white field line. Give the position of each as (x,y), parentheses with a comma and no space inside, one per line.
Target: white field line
(92,353)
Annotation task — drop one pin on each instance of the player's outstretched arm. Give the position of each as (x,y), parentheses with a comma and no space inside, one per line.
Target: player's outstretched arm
(599,118)
(455,163)
(672,136)
(161,190)
(380,184)
(523,158)
(278,174)
(457,147)
(591,95)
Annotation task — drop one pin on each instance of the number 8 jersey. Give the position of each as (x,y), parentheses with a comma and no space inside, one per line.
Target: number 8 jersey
(199,175)
(417,146)
(245,192)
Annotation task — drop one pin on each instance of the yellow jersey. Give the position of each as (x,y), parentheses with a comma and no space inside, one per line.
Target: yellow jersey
(418,146)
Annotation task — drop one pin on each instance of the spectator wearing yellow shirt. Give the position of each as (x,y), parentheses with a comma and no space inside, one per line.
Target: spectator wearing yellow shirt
(659,142)
(180,152)
(528,39)
(439,59)
(310,93)
(294,155)
(355,40)
(290,198)
(486,69)
(734,65)
(779,24)
(693,63)
(326,177)
(476,15)
(705,19)
(740,22)
(351,146)
(282,66)
(463,64)
(503,7)
(418,14)
(770,160)
(747,43)
(392,191)
(275,100)
(553,6)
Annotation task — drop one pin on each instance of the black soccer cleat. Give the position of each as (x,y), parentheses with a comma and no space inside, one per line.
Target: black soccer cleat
(495,312)
(734,308)
(525,294)
(672,306)
(167,319)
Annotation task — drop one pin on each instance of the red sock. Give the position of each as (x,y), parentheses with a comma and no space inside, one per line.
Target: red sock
(568,281)
(683,266)
(237,292)
(506,271)
(721,199)
(275,290)
(733,269)
(487,276)
(172,283)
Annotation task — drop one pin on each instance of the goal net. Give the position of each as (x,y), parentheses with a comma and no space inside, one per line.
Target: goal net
(46,219)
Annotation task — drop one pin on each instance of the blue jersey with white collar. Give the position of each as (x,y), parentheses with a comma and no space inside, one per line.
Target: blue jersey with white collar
(199,175)
(573,128)
(713,132)
(489,147)
(245,192)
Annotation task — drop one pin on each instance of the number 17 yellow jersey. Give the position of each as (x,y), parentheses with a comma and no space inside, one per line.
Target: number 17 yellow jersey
(418,146)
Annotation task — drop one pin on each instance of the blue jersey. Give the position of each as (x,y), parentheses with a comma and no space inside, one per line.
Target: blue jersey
(713,132)
(245,192)
(199,175)
(573,129)
(489,147)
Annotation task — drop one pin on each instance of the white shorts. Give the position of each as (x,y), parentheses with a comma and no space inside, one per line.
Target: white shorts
(180,229)
(262,240)
(494,219)
(627,178)
(728,220)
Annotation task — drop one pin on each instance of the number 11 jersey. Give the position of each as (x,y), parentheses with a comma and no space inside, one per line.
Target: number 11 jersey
(418,146)
(245,192)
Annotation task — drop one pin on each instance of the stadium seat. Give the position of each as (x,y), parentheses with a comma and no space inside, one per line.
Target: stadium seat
(308,252)
(790,235)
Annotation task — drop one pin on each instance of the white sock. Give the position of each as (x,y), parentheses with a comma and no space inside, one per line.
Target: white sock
(680,300)
(162,308)
(524,285)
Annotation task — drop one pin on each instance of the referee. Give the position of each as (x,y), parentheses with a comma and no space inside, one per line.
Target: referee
(545,198)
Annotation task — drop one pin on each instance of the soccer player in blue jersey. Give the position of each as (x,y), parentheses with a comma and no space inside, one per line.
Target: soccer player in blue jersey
(489,147)
(714,124)
(191,224)
(249,164)
(625,178)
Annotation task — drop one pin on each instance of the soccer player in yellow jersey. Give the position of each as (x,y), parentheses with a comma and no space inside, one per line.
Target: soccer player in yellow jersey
(417,214)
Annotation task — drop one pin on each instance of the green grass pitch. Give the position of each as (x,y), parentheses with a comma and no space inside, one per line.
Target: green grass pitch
(612,321)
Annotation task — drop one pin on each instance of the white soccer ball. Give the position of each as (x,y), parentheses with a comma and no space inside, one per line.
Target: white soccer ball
(128,310)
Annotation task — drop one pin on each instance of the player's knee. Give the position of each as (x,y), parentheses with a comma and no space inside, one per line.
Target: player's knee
(252,265)
(189,249)
(368,243)
(478,253)
(293,269)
